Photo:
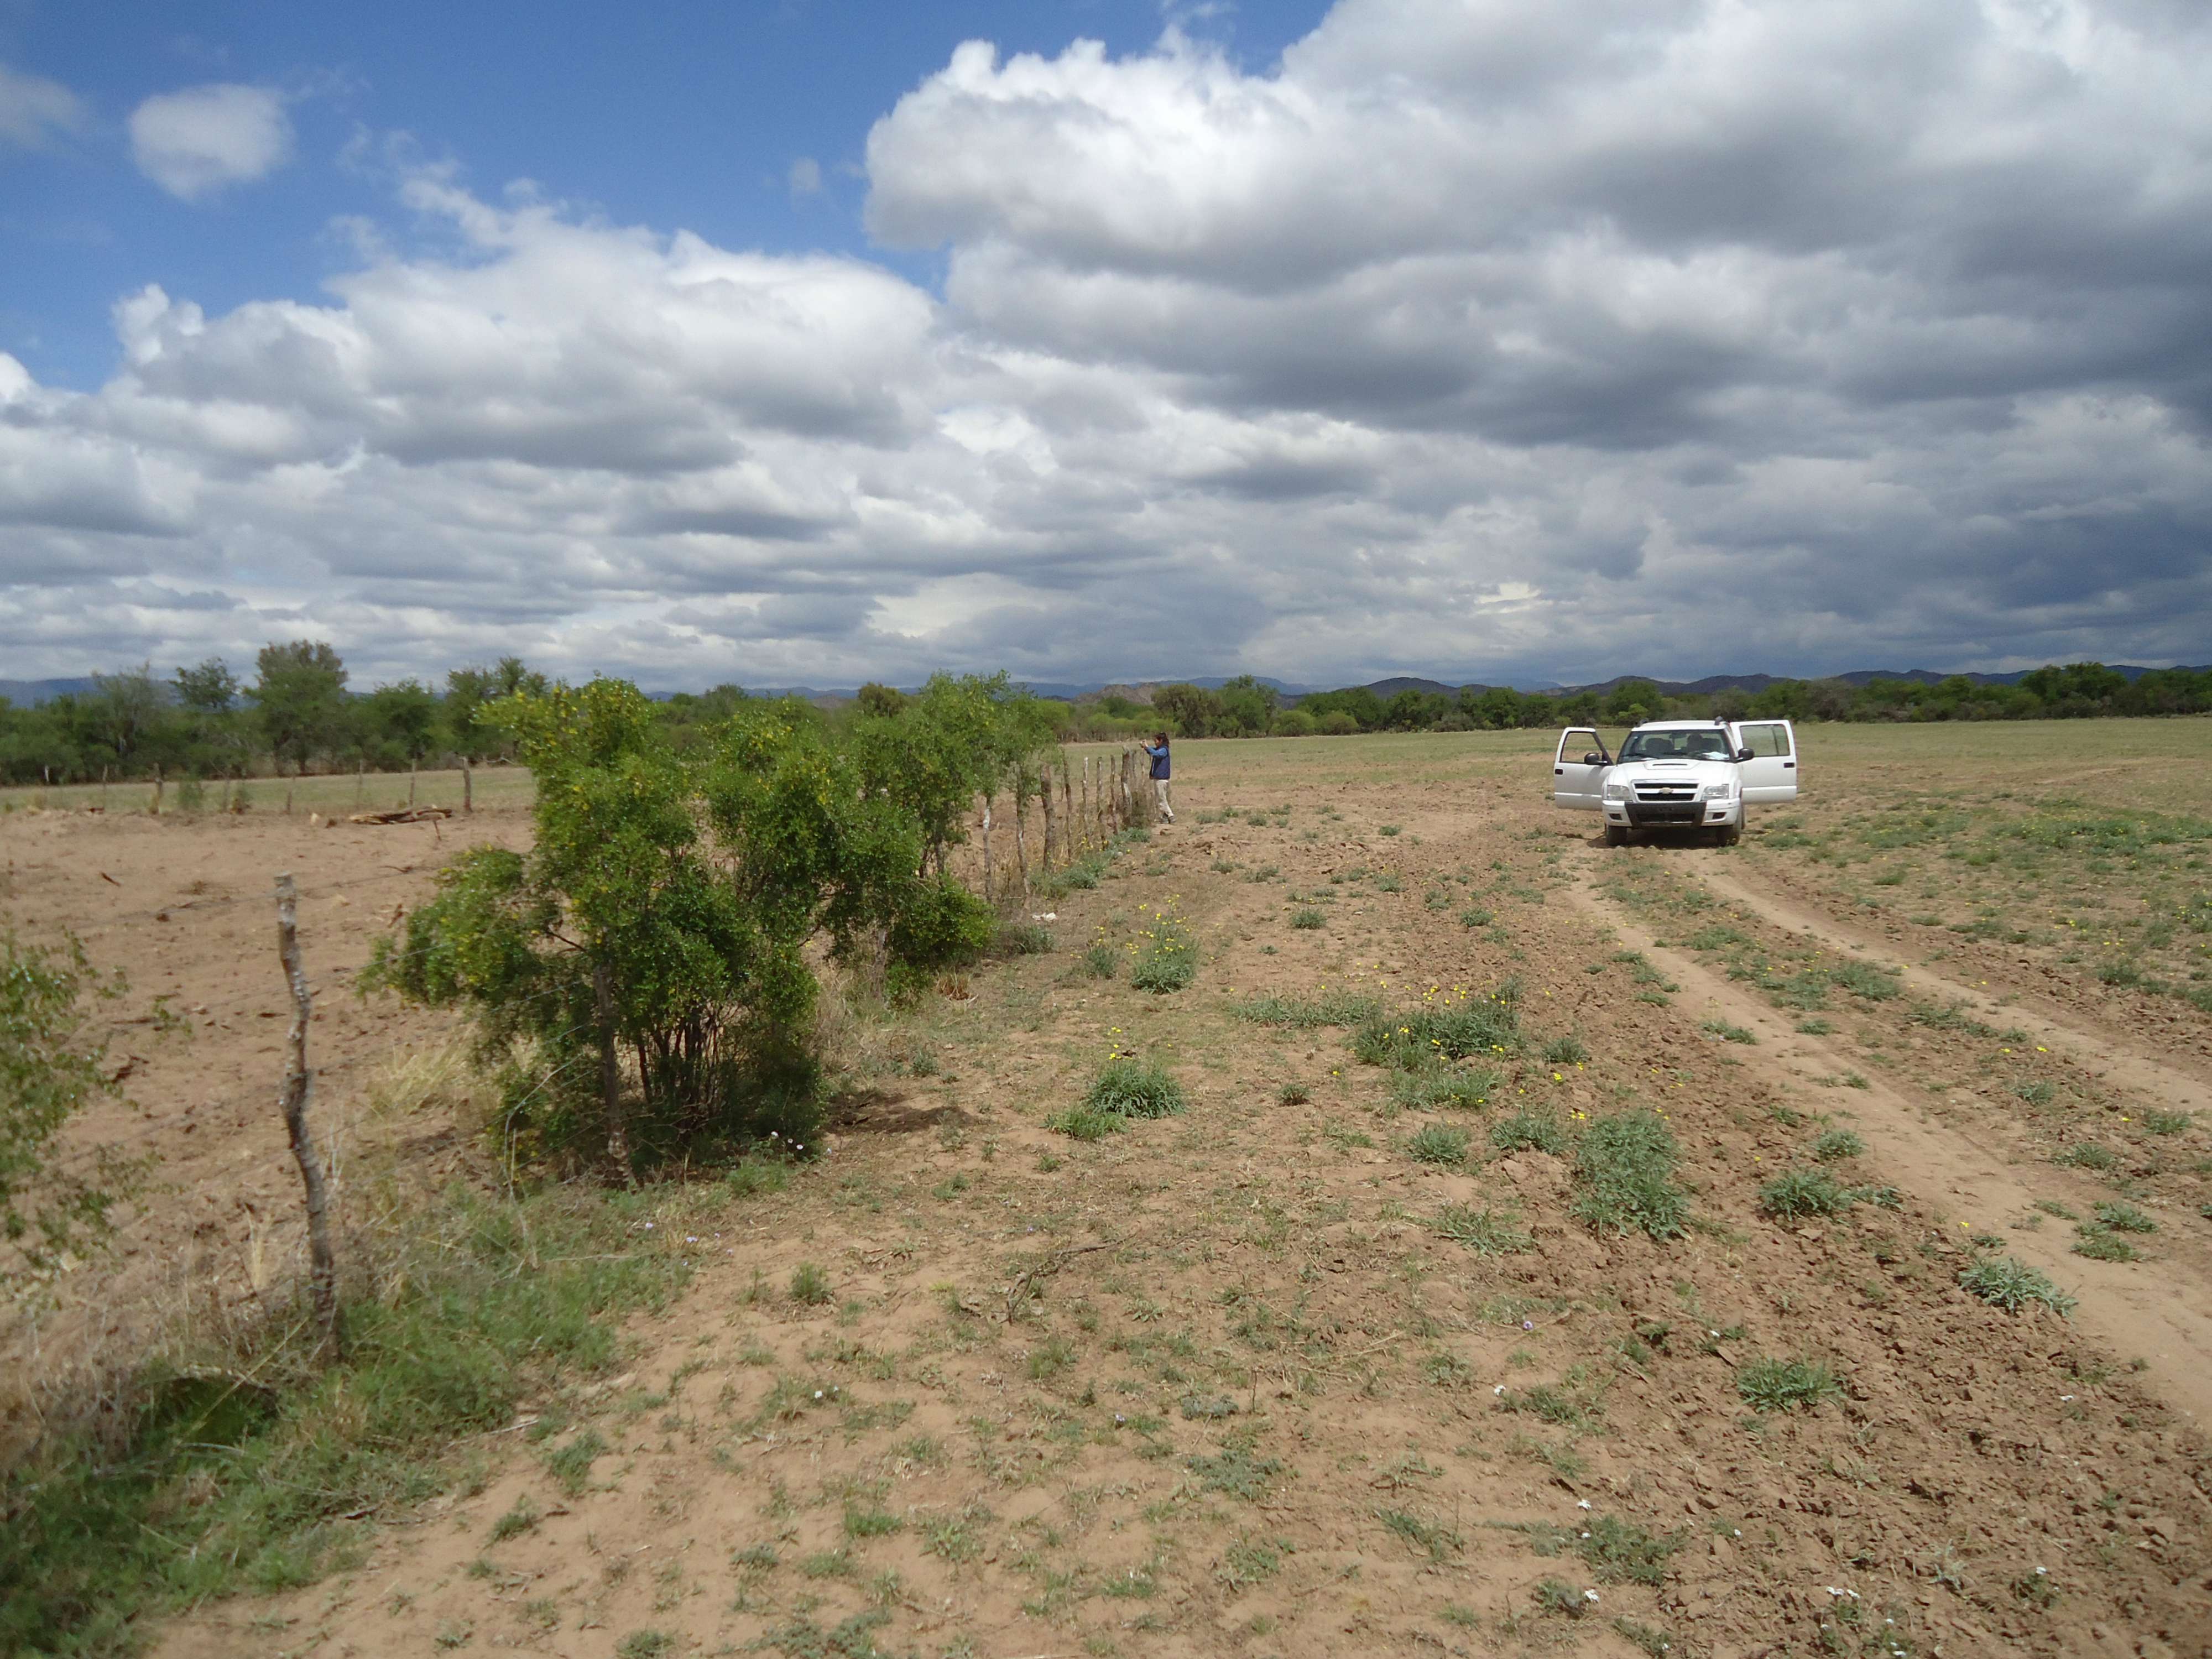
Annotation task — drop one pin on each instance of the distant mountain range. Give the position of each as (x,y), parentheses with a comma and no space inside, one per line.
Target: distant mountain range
(31,693)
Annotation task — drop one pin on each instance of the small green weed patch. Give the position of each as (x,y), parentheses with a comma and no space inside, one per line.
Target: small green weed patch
(1625,1165)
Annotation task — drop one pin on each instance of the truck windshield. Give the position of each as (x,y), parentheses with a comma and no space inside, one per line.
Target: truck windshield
(1676,745)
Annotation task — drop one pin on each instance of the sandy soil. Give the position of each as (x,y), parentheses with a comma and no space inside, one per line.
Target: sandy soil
(1217,1385)
(185,909)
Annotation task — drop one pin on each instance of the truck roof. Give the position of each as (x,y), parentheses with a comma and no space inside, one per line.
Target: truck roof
(1677,725)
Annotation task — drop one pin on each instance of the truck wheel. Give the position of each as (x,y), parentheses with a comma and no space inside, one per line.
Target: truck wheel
(1731,833)
(1616,834)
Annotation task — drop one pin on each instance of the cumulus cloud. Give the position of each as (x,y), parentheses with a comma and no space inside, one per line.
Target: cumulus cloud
(1473,338)
(34,110)
(195,143)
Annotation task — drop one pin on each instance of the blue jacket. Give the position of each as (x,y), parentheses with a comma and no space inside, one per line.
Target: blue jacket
(1160,758)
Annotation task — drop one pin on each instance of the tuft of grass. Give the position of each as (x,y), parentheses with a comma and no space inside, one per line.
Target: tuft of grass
(1169,960)
(1528,1129)
(1783,1385)
(1485,1231)
(571,1465)
(1100,962)
(1086,1123)
(2124,1217)
(644,1645)
(1726,1032)
(2100,1244)
(1131,1088)
(1306,918)
(208,1492)
(1293,1094)
(1626,1165)
(1336,1008)
(1555,1595)
(1421,1036)
(1432,1538)
(809,1284)
(2088,1155)
(1796,1193)
(1441,1144)
(1622,1553)
(1837,1144)
(1863,979)
(1445,1087)
(520,1519)
(1234,1470)
(2161,1122)
(1021,938)
(1569,1050)
(1476,917)
(2010,1284)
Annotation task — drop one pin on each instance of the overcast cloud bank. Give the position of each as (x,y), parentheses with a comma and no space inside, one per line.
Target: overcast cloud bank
(1491,341)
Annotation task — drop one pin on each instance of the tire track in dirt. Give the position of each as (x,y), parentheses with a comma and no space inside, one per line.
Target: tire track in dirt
(2164,1082)
(2167,1324)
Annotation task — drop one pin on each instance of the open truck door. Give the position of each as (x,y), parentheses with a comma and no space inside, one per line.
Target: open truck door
(1579,769)
(1770,773)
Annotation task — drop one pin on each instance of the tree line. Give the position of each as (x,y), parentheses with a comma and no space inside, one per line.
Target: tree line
(298,713)
(1245,708)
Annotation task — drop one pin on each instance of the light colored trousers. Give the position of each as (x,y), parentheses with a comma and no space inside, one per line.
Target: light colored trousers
(1160,800)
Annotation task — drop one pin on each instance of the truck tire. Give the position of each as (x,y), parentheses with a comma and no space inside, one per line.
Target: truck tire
(1733,833)
(1616,834)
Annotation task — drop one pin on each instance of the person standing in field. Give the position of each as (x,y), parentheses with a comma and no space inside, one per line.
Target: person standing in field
(1157,750)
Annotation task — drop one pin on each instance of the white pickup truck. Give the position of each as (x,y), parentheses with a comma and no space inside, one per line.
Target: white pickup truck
(1677,774)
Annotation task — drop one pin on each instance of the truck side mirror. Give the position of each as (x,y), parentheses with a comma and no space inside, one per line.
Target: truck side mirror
(1745,755)
(1595,758)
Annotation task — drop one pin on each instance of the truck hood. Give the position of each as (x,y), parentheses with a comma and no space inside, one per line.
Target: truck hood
(1699,771)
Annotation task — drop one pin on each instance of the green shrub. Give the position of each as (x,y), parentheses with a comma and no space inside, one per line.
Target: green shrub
(1782,1385)
(1100,961)
(1476,917)
(1568,1050)
(2012,1284)
(1625,1165)
(809,1284)
(1128,1088)
(1306,918)
(1441,1144)
(1528,1129)
(51,1069)
(942,924)
(1293,1094)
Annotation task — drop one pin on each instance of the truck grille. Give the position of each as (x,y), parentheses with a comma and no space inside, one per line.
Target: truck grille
(1642,810)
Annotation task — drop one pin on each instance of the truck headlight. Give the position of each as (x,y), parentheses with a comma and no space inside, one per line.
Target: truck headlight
(1723,791)
(1616,792)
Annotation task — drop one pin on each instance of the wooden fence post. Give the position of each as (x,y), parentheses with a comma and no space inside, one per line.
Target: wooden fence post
(157,792)
(412,763)
(299,1086)
(1067,813)
(989,897)
(1021,846)
(602,1002)
(1051,839)
(468,786)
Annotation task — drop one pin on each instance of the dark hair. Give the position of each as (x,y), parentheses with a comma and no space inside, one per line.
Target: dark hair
(1160,737)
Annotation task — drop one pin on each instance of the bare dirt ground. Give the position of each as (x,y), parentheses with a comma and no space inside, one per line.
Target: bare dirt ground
(185,909)
(1218,1384)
